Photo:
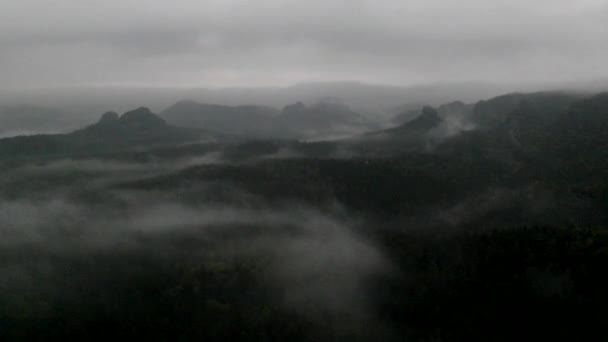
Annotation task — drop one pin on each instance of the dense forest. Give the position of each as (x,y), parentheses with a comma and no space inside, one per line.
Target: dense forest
(472,222)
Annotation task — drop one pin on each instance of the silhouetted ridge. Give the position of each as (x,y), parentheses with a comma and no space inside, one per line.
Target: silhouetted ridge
(428,120)
(142,117)
(294,121)
(130,123)
(294,109)
(324,114)
(109,118)
(546,106)
(250,119)
(139,128)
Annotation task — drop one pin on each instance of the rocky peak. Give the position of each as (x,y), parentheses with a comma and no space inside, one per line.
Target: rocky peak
(142,117)
(109,117)
(428,119)
(294,108)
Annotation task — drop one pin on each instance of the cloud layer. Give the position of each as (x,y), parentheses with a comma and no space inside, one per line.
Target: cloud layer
(274,42)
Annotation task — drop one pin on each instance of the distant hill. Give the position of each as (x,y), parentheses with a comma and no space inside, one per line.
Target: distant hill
(428,119)
(412,136)
(243,120)
(554,131)
(562,136)
(371,100)
(455,116)
(137,128)
(326,117)
(544,105)
(447,120)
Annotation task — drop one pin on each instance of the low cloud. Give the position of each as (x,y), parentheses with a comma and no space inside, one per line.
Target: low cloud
(316,262)
(276,43)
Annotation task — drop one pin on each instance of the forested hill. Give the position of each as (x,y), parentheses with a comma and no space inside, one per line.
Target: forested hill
(139,128)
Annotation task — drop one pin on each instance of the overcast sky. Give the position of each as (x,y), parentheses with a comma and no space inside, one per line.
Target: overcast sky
(279,42)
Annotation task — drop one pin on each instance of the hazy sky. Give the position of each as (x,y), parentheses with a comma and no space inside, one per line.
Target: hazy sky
(279,42)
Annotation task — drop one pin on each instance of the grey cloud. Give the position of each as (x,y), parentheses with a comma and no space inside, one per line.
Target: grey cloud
(219,43)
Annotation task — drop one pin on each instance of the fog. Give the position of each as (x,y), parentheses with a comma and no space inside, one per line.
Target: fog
(322,170)
(316,262)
